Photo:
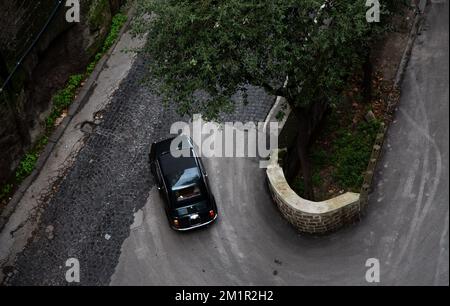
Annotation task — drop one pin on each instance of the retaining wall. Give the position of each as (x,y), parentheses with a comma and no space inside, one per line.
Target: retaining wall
(308,216)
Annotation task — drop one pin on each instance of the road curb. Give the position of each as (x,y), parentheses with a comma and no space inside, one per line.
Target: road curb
(408,49)
(83,96)
(393,101)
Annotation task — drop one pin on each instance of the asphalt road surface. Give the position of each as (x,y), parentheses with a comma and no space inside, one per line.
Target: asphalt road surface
(109,215)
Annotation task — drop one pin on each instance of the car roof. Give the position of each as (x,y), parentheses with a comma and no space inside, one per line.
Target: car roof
(180,172)
(170,164)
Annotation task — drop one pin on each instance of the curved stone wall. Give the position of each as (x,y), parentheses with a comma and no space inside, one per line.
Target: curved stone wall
(308,216)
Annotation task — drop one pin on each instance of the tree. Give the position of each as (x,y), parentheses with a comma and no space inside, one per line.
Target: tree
(220,47)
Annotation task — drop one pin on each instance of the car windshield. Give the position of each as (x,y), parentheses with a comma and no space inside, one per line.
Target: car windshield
(183,179)
(186,186)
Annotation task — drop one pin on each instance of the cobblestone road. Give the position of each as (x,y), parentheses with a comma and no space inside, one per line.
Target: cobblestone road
(109,182)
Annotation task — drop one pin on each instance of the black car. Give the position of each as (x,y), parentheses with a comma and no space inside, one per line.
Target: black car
(183,184)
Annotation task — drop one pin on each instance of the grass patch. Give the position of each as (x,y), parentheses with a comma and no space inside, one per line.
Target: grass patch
(26,166)
(28,162)
(60,101)
(352,150)
(340,155)
(24,169)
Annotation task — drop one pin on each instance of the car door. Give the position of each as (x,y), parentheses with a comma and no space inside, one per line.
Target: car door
(158,176)
(162,186)
(152,160)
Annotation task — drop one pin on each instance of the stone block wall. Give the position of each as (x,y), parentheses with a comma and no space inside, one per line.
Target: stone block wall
(307,216)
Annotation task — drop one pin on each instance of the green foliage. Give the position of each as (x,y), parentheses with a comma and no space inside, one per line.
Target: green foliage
(61,100)
(64,97)
(5,191)
(96,15)
(319,157)
(348,157)
(40,144)
(298,185)
(221,47)
(352,150)
(90,68)
(26,166)
(280,115)
(116,24)
(317,179)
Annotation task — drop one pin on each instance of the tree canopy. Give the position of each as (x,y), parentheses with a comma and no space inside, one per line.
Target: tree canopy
(220,47)
(302,50)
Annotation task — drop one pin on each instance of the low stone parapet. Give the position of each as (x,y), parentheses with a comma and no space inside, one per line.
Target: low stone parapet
(308,216)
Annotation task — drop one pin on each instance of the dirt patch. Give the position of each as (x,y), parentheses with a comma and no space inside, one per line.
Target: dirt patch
(386,56)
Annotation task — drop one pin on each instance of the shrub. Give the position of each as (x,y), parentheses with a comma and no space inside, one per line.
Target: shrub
(352,150)
(26,166)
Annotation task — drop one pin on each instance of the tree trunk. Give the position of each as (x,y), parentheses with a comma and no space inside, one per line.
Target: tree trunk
(305,164)
(292,162)
(298,157)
